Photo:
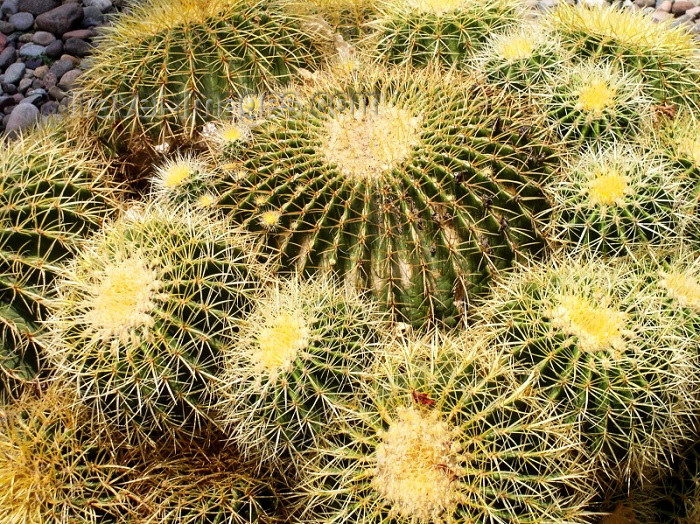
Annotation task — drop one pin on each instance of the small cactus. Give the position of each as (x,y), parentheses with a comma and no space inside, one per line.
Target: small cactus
(664,57)
(405,192)
(296,366)
(198,484)
(346,17)
(52,468)
(601,340)
(53,194)
(167,66)
(144,313)
(617,199)
(447,436)
(595,100)
(184,180)
(446,31)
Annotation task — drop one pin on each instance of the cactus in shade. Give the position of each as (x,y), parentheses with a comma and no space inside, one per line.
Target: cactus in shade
(664,57)
(523,59)
(143,315)
(595,100)
(198,484)
(346,17)
(296,366)
(446,435)
(678,276)
(167,66)
(617,198)
(406,192)
(53,194)
(184,180)
(447,31)
(52,468)
(600,339)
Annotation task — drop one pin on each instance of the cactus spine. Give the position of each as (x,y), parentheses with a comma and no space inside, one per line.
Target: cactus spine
(53,194)
(144,312)
(405,192)
(447,436)
(599,338)
(296,366)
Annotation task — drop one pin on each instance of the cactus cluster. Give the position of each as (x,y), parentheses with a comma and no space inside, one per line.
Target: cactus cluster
(404,191)
(145,312)
(53,194)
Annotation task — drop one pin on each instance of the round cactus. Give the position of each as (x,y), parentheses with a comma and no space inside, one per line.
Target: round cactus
(52,469)
(678,276)
(523,59)
(616,199)
(53,194)
(448,436)
(664,57)
(595,100)
(346,17)
(447,31)
(198,484)
(167,66)
(184,180)
(296,366)
(602,341)
(144,313)
(406,191)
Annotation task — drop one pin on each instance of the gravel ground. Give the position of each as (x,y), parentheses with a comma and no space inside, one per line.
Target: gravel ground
(43,43)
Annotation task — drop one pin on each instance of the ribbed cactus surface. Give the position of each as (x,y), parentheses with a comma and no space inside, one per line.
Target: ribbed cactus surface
(406,192)
(53,194)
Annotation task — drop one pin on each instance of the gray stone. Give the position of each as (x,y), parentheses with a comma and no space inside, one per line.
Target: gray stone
(10,89)
(14,73)
(665,6)
(25,38)
(6,101)
(22,21)
(32,50)
(6,27)
(61,67)
(37,7)
(68,79)
(681,6)
(661,16)
(7,56)
(49,108)
(54,49)
(693,13)
(22,117)
(43,38)
(683,19)
(49,80)
(9,7)
(56,93)
(24,84)
(40,72)
(37,99)
(83,34)
(102,5)
(92,16)
(645,3)
(77,47)
(61,19)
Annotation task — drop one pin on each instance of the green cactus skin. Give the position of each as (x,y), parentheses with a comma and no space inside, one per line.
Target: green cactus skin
(522,59)
(158,66)
(53,194)
(198,484)
(447,436)
(419,32)
(665,58)
(616,199)
(53,469)
(595,101)
(601,340)
(417,198)
(143,314)
(295,367)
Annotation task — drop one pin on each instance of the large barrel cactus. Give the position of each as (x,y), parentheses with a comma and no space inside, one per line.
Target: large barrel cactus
(393,182)
(448,436)
(144,313)
(53,194)
(602,339)
(165,67)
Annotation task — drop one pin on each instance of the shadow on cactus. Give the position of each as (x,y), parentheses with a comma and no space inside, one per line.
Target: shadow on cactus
(602,340)
(53,194)
(617,199)
(296,366)
(448,32)
(664,57)
(143,314)
(405,191)
(167,66)
(52,468)
(447,436)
